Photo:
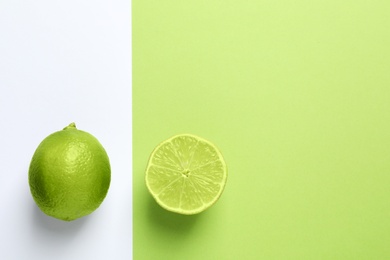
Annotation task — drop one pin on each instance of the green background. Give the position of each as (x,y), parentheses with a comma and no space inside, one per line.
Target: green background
(296,96)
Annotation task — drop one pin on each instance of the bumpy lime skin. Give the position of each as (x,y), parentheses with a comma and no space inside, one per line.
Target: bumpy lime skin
(69,174)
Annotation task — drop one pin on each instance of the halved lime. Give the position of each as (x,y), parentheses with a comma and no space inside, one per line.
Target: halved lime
(186,174)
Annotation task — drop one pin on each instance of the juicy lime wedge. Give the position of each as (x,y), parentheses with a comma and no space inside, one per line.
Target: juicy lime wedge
(186,174)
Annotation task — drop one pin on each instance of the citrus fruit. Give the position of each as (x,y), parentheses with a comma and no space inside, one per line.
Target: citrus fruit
(69,174)
(186,174)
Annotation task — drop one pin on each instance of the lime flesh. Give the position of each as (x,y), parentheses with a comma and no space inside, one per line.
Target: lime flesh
(186,174)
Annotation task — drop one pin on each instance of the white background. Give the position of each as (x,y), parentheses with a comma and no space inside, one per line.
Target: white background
(62,62)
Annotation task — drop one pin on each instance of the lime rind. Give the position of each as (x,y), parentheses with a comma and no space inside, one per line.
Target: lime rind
(168,165)
(69,174)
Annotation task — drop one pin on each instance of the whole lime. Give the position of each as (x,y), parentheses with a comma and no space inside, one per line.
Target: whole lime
(69,174)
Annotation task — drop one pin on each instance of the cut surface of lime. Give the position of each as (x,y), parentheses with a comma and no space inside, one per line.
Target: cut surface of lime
(186,174)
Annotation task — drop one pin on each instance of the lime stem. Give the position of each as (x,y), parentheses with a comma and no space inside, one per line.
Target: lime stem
(70,126)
